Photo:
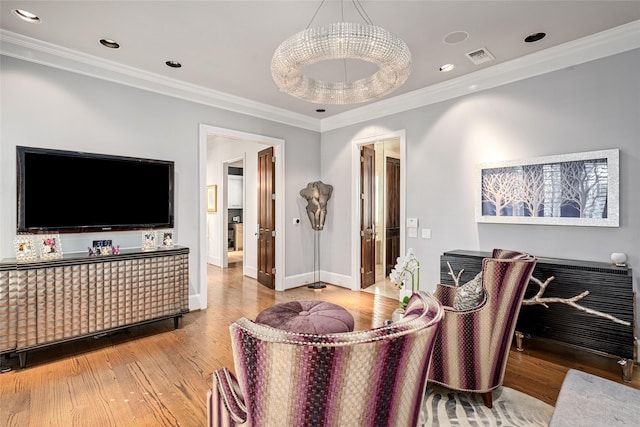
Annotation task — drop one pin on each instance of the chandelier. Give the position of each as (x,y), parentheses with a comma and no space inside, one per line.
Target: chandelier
(342,40)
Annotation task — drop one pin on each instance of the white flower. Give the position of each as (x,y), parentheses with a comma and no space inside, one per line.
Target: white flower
(406,267)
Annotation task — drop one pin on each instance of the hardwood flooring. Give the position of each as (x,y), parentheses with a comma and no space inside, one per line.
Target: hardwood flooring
(153,375)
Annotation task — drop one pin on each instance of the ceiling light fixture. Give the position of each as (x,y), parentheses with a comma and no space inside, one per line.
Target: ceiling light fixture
(534,37)
(342,40)
(27,16)
(447,67)
(111,44)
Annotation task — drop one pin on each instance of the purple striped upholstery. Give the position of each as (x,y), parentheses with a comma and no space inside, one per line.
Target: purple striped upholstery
(365,378)
(470,353)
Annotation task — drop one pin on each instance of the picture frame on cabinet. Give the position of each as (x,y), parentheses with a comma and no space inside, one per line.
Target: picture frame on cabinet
(25,248)
(149,240)
(167,238)
(50,246)
(212,198)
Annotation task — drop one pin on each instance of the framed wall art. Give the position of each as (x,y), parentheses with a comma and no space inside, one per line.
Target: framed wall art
(149,240)
(50,246)
(212,198)
(25,248)
(572,189)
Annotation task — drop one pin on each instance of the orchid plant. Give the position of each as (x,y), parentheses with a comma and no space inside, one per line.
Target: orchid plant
(406,267)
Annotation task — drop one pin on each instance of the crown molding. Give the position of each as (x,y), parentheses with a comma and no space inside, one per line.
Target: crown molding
(606,43)
(44,53)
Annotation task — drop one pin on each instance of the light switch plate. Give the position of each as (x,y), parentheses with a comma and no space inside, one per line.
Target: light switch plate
(412,222)
(426,233)
(412,232)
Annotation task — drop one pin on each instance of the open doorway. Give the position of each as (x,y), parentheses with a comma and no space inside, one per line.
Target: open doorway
(380,224)
(219,149)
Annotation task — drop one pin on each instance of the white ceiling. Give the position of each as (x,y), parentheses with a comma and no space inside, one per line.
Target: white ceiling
(226,46)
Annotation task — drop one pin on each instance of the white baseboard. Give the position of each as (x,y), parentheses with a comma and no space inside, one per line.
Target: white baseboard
(291,282)
(303,279)
(250,272)
(336,279)
(217,261)
(194,302)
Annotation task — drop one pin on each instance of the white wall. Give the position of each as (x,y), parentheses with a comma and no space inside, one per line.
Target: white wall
(592,106)
(48,107)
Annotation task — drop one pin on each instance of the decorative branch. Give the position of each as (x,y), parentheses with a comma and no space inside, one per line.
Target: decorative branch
(537,299)
(456,279)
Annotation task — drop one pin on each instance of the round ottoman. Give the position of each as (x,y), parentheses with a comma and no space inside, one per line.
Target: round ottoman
(307,317)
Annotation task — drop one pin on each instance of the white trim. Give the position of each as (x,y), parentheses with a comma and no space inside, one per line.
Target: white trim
(336,279)
(33,50)
(305,279)
(278,148)
(606,43)
(194,302)
(298,280)
(355,197)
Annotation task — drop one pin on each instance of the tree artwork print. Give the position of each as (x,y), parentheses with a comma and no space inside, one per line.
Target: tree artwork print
(576,190)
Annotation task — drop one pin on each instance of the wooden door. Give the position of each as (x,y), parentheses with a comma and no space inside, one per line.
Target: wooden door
(392,209)
(367,224)
(266,218)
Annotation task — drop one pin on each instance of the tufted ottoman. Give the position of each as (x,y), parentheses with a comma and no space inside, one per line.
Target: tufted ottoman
(307,317)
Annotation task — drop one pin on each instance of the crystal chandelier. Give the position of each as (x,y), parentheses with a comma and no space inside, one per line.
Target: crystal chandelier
(342,40)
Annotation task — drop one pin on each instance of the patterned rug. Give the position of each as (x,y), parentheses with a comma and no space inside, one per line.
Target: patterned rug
(443,407)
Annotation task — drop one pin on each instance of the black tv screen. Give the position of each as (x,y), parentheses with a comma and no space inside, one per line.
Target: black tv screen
(68,191)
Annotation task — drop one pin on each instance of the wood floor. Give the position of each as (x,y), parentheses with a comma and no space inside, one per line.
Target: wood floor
(153,375)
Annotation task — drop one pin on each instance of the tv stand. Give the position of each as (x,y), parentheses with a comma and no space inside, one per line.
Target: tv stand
(48,302)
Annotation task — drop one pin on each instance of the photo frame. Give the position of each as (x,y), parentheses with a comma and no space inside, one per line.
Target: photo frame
(149,240)
(50,246)
(25,248)
(167,238)
(212,198)
(579,189)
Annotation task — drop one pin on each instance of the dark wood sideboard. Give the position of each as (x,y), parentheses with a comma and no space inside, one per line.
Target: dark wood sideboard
(46,302)
(610,291)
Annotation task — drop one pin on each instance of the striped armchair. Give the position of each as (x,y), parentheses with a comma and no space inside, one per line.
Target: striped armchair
(471,351)
(365,378)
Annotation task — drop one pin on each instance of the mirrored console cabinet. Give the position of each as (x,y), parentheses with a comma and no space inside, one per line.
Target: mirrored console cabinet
(46,302)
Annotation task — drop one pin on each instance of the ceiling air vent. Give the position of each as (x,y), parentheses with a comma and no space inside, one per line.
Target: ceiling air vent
(480,56)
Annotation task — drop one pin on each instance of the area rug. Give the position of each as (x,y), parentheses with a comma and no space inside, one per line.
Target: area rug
(443,407)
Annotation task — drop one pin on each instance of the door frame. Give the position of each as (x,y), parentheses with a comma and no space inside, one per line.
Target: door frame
(355,197)
(278,151)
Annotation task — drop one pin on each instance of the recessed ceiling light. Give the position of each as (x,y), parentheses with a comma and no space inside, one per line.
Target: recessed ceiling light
(173,64)
(534,37)
(111,44)
(320,110)
(27,16)
(447,67)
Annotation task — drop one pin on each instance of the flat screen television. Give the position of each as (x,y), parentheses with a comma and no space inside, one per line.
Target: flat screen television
(68,191)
